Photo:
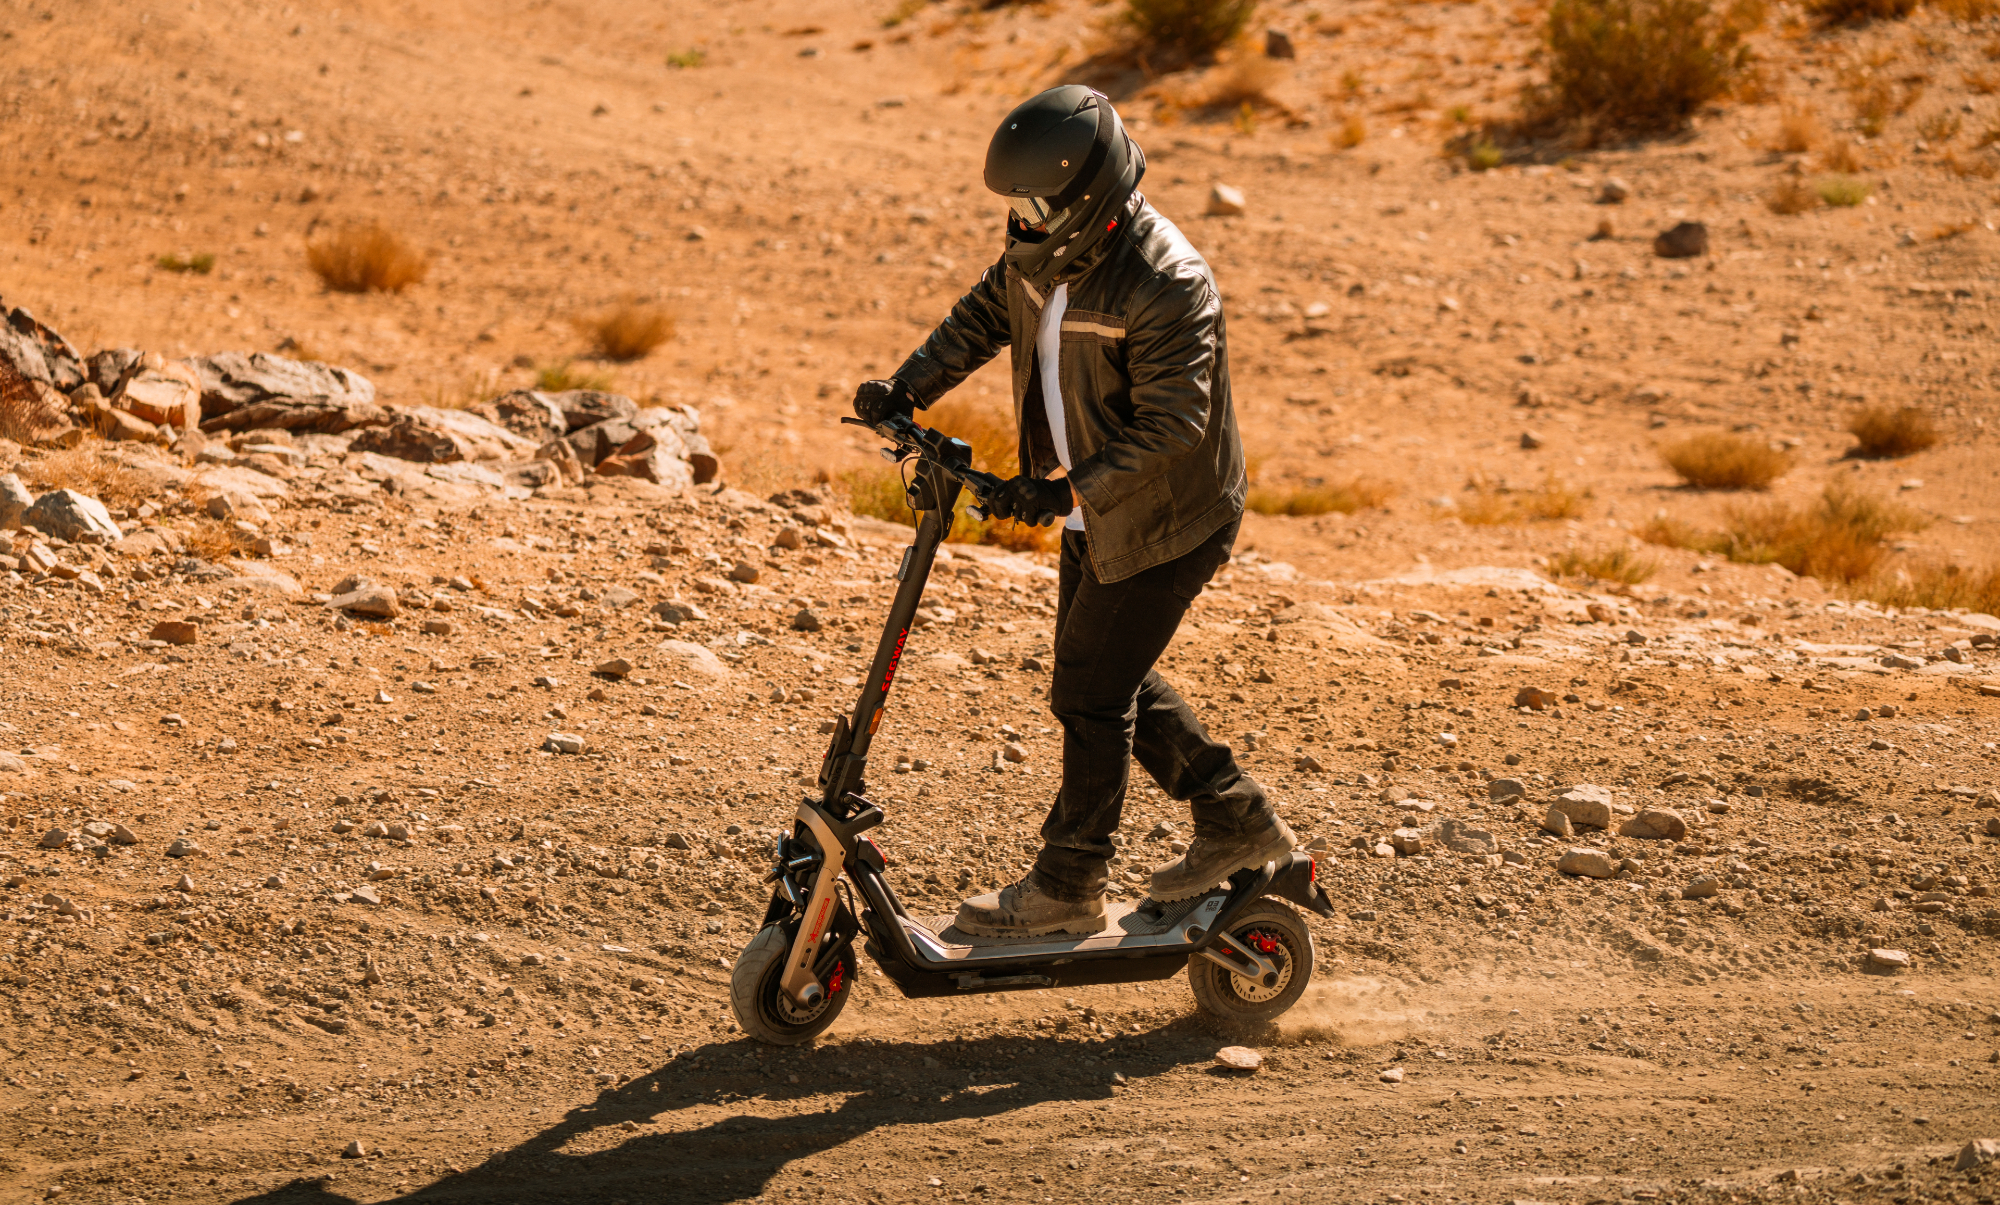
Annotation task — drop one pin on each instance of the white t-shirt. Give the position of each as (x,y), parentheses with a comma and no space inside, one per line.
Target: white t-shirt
(1048,346)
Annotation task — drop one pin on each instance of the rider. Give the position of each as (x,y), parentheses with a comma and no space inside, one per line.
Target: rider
(1121,379)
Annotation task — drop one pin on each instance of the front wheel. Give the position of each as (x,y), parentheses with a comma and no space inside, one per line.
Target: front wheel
(1276,932)
(763,1010)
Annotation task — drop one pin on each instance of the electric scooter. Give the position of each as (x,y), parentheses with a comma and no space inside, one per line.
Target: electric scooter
(1248,954)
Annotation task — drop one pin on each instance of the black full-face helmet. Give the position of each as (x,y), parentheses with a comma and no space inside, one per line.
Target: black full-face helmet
(1066,167)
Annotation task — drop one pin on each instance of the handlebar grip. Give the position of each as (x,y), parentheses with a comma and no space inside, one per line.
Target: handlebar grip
(977,512)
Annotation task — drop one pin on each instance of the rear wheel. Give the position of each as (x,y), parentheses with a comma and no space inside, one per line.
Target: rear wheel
(763,1010)
(1276,932)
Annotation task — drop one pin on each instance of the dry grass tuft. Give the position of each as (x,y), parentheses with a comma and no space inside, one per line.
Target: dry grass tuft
(368,258)
(1859,12)
(1938,587)
(1799,130)
(27,411)
(1982,81)
(1351,132)
(1248,79)
(1891,432)
(563,375)
(1343,498)
(87,469)
(1841,157)
(1969,11)
(990,430)
(1791,196)
(1620,565)
(1675,533)
(1975,167)
(1716,460)
(1940,127)
(1636,67)
(628,331)
(1839,538)
(1843,191)
(1488,506)
(1185,31)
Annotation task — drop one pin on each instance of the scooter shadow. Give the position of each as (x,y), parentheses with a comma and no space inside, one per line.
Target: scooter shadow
(734,1158)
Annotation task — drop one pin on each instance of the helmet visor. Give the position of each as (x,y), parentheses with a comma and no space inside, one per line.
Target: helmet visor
(1033,211)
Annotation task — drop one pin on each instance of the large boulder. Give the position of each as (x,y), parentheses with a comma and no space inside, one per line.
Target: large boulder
(36,352)
(686,423)
(164,394)
(432,435)
(107,369)
(68,515)
(587,407)
(533,416)
(407,438)
(597,441)
(657,456)
(242,392)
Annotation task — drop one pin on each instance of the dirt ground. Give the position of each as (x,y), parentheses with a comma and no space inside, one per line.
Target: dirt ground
(536,1007)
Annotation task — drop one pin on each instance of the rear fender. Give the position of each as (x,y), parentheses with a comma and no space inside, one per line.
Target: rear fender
(1295,881)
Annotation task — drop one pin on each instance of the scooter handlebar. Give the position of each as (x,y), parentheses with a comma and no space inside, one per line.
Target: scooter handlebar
(913,440)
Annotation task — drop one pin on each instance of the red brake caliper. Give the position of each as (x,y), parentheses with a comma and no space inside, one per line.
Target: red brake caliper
(833,984)
(1264,943)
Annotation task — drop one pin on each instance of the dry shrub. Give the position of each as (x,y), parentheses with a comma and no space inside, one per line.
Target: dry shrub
(1633,67)
(1987,137)
(1891,432)
(1940,127)
(1185,31)
(1676,533)
(628,331)
(1977,167)
(1860,12)
(1843,192)
(1799,130)
(1969,11)
(1717,460)
(1842,157)
(1344,497)
(989,429)
(211,539)
(1620,565)
(1982,81)
(1488,506)
(1938,587)
(1839,538)
(366,258)
(1791,196)
(28,410)
(1247,80)
(1351,132)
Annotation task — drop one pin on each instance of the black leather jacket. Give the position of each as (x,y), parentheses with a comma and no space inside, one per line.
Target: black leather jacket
(1144,368)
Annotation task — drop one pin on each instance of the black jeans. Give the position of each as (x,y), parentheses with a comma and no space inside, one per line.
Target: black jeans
(1113,706)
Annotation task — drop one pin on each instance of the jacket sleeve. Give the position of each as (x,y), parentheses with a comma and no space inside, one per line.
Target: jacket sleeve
(1172,329)
(973,333)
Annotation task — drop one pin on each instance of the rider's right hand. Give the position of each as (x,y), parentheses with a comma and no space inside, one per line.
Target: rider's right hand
(879,401)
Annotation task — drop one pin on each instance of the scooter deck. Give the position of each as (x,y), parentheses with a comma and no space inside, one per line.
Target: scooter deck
(1147,927)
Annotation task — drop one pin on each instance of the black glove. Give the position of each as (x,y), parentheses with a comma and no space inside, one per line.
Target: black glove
(879,401)
(1033,500)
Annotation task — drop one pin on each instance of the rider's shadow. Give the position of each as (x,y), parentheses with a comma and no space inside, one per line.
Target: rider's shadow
(733,1158)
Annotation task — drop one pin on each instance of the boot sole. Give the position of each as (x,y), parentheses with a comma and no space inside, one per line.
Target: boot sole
(1279,845)
(1096,925)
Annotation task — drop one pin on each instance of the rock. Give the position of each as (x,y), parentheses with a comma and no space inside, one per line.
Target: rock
(1278,45)
(1530,440)
(1591,863)
(1238,1058)
(175,631)
(1704,888)
(806,621)
(14,501)
(656,456)
(233,381)
(1557,821)
(1393,1075)
(582,408)
(406,438)
(68,515)
(105,369)
(533,416)
(1586,805)
(1225,201)
(1407,842)
(120,835)
(367,598)
(696,657)
(1655,824)
(375,828)
(1505,788)
(1462,838)
(1014,752)
(55,838)
(677,841)
(563,742)
(231,506)
(14,764)
(365,894)
(617,667)
(1888,960)
(167,395)
(592,444)
(1685,240)
(1614,192)
(1977,1153)
(532,474)
(1536,698)
(183,848)
(1306,763)
(1903,661)
(37,352)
